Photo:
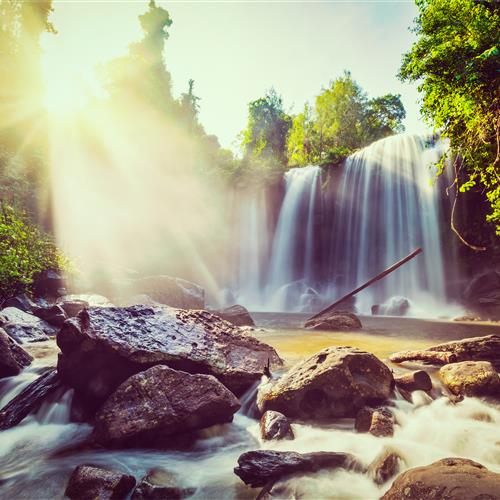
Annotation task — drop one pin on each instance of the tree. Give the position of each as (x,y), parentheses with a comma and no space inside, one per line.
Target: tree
(267,129)
(189,109)
(300,143)
(456,60)
(384,116)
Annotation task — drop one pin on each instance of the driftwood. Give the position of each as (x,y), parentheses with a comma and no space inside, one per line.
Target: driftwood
(414,381)
(473,349)
(379,276)
(29,399)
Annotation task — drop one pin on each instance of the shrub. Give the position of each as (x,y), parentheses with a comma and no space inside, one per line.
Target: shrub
(24,251)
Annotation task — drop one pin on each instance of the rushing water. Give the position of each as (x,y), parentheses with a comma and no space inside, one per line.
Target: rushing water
(337,228)
(37,456)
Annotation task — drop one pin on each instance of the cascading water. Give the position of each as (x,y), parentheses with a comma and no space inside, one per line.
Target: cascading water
(328,240)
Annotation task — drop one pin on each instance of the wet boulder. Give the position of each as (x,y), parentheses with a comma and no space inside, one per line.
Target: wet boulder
(89,482)
(13,358)
(160,403)
(449,478)
(418,380)
(161,484)
(25,327)
(48,283)
(237,315)
(377,421)
(174,292)
(274,425)
(335,382)
(336,320)
(471,378)
(54,315)
(261,467)
(22,302)
(384,467)
(103,346)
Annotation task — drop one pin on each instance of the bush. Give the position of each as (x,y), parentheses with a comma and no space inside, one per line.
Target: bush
(24,251)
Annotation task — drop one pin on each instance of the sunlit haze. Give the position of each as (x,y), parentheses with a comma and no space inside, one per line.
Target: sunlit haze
(236,51)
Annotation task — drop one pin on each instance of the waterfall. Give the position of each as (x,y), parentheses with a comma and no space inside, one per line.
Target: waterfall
(339,226)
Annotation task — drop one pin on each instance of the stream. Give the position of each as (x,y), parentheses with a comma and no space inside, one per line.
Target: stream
(37,456)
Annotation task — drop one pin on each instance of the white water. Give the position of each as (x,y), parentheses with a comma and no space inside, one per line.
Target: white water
(385,205)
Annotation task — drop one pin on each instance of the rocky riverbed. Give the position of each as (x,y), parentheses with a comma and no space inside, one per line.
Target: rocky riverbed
(163,420)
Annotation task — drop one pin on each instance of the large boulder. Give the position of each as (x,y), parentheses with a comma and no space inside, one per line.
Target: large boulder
(54,315)
(174,292)
(103,346)
(159,403)
(237,315)
(473,349)
(449,478)
(336,320)
(335,382)
(25,327)
(21,301)
(471,378)
(482,294)
(260,467)
(13,358)
(89,482)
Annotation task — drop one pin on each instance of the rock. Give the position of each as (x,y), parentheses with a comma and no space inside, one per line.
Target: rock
(335,382)
(395,306)
(473,349)
(102,347)
(54,315)
(237,315)
(89,482)
(384,467)
(161,484)
(22,302)
(48,283)
(482,295)
(336,320)
(471,378)
(159,403)
(25,327)
(89,299)
(419,380)
(13,358)
(274,425)
(260,467)
(29,399)
(139,299)
(376,421)
(73,307)
(375,309)
(174,292)
(449,478)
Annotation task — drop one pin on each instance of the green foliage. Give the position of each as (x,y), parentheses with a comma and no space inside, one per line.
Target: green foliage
(343,119)
(24,251)
(457,64)
(267,129)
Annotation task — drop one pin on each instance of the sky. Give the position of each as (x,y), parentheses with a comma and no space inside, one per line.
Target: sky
(236,50)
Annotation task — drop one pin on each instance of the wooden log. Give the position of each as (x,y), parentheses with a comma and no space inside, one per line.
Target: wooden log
(29,400)
(414,381)
(368,283)
(432,357)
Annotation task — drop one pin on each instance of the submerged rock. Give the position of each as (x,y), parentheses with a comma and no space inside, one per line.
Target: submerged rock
(335,382)
(376,421)
(89,482)
(473,349)
(161,484)
(102,347)
(471,378)
(449,478)
(274,425)
(384,467)
(260,467)
(237,315)
(29,399)
(158,403)
(25,327)
(13,358)
(336,320)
